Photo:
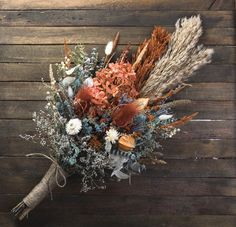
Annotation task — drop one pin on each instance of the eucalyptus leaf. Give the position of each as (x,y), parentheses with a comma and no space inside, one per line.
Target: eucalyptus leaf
(72,70)
(68,81)
(76,149)
(120,174)
(136,167)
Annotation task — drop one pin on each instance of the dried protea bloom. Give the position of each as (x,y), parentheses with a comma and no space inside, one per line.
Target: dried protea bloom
(82,100)
(124,115)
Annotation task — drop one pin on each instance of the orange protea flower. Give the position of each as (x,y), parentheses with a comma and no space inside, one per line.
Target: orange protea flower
(82,100)
(124,115)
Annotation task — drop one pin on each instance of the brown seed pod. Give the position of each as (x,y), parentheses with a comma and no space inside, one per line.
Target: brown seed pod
(126,143)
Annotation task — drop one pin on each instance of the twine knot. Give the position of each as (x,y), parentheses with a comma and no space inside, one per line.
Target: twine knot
(58,170)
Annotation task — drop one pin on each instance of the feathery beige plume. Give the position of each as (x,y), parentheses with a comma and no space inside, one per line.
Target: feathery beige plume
(181,59)
(52,79)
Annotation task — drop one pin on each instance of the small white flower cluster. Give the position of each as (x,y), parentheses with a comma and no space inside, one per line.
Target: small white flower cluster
(48,97)
(174,131)
(170,132)
(64,64)
(74,126)
(67,60)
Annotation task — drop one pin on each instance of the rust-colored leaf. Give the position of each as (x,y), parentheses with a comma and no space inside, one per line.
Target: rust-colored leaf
(181,121)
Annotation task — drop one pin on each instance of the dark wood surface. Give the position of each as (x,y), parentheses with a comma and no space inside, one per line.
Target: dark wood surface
(196,188)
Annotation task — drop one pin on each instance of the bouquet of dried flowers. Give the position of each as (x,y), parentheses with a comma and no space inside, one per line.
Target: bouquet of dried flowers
(103,119)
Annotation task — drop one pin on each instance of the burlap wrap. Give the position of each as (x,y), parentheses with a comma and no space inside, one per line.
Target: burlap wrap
(50,180)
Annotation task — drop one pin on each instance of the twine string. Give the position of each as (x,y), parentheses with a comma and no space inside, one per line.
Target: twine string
(58,171)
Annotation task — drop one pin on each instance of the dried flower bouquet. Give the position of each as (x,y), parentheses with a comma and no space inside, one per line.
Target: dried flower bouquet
(105,119)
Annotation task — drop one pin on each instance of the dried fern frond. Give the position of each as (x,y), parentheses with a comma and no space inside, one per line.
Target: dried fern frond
(148,53)
(181,59)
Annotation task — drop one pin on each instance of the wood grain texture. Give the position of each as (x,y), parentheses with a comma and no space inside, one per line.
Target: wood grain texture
(198,91)
(197,186)
(132,205)
(63,219)
(175,168)
(210,19)
(196,129)
(95,35)
(54,53)
(184,148)
(141,185)
(121,4)
(35,72)
(213,110)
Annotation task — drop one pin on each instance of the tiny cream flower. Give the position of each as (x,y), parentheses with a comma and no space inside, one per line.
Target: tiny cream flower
(108,48)
(74,126)
(164,117)
(112,135)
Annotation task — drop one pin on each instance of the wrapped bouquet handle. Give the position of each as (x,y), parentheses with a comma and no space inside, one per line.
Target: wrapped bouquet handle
(53,177)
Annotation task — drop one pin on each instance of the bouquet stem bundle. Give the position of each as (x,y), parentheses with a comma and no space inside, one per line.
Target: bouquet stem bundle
(49,181)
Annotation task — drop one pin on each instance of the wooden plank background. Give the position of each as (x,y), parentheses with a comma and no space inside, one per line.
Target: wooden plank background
(198,185)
